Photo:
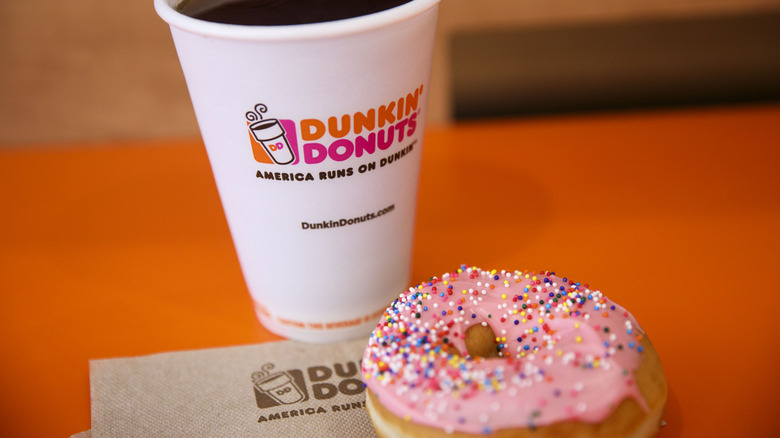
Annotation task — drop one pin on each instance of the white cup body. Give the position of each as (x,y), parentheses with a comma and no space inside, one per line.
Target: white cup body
(320,200)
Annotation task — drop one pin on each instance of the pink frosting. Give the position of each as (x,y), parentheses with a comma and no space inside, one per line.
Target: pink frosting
(567,352)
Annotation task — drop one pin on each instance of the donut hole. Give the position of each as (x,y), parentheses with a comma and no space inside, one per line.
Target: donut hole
(481,342)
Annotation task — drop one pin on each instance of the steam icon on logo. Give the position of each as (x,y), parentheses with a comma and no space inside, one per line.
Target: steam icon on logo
(270,134)
(280,388)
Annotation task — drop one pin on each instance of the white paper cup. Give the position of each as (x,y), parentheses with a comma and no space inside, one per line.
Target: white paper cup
(314,134)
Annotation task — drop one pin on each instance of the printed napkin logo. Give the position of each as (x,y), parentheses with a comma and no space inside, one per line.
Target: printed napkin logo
(319,389)
(280,388)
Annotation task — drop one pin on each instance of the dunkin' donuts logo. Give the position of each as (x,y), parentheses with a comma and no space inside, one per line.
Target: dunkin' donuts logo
(337,138)
(281,388)
(269,139)
(297,393)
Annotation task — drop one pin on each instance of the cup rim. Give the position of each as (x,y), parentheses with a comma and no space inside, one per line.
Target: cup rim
(166,10)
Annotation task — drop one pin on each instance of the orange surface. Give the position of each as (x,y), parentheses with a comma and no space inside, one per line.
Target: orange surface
(122,249)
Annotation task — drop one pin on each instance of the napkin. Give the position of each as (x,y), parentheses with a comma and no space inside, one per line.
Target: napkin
(275,389)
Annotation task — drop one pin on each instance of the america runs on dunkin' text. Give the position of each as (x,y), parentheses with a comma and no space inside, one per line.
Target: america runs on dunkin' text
(337,173)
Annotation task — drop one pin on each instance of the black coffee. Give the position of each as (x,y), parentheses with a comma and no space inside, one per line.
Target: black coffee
(282,12)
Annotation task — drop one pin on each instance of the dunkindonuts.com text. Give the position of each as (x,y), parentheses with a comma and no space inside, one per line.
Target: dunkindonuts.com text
(345,222)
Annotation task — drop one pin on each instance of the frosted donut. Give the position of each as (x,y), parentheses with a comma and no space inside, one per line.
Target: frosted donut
(511,354)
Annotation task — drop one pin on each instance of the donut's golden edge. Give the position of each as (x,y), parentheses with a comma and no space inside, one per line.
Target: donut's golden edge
(628,420)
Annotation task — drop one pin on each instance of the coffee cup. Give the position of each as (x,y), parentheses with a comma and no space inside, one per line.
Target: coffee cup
(314,133)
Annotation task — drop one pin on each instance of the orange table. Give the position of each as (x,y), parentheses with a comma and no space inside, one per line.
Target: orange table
(121,249)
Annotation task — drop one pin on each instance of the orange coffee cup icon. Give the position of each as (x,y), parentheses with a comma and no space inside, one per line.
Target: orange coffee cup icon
(270,134)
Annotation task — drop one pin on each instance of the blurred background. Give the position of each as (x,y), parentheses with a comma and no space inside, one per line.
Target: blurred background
(96,70)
